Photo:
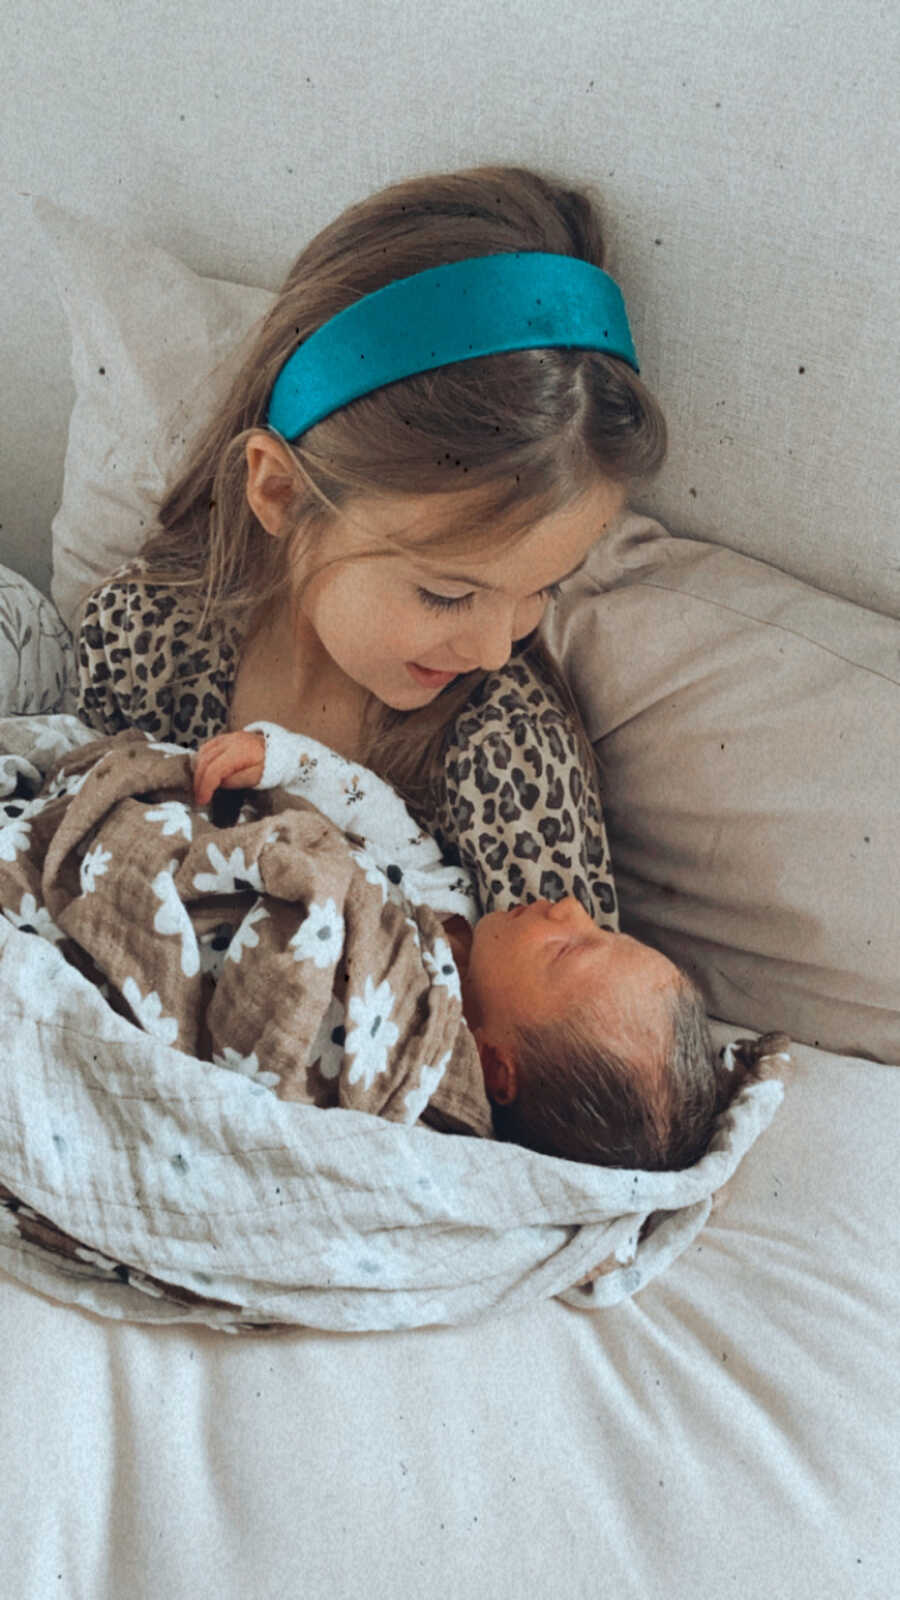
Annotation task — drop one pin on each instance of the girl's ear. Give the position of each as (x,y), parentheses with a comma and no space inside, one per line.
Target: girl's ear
(501,1076)
(271,480)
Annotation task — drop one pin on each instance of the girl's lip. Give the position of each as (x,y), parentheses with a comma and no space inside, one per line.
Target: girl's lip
(427,676)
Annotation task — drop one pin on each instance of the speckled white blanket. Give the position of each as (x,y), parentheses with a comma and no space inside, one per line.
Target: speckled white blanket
(188,1194)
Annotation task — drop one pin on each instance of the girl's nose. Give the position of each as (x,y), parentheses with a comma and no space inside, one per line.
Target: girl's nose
(490,645)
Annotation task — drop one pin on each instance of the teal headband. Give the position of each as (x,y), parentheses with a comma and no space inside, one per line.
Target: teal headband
(512,301)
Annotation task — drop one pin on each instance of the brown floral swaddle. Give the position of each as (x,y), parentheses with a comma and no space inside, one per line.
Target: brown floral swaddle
(275,946)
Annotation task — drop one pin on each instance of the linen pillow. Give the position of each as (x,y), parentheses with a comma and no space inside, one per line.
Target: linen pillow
(154,346)
(37,660)
(748,729)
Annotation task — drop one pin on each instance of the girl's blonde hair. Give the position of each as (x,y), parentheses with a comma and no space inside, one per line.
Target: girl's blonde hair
(513,437)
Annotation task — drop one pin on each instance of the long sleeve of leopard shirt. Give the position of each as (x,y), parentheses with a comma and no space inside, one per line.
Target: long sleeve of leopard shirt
(519,809)
(142,665)
(104,694)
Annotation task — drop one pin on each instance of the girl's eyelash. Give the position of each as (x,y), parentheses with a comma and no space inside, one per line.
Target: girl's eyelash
(443,602)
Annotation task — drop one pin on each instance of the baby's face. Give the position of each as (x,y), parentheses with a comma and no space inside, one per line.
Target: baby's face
(538,962)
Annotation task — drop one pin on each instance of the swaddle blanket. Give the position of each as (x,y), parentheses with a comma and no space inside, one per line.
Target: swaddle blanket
(269,946)
(146,1173)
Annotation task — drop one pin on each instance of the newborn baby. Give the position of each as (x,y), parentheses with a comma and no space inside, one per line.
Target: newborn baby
(593,1046)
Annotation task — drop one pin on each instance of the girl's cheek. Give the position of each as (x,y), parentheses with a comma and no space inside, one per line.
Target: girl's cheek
(418,636)
(434,632)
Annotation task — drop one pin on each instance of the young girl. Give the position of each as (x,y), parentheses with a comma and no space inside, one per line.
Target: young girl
(438,418)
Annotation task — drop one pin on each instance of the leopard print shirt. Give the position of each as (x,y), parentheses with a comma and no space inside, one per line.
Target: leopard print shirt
(518,808)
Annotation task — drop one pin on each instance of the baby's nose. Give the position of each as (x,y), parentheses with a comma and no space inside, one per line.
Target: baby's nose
(563,910)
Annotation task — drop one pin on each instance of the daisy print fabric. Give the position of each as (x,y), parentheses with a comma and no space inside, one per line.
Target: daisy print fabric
(275,946)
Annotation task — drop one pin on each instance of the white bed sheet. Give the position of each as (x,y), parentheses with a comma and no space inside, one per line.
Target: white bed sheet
(732,1430)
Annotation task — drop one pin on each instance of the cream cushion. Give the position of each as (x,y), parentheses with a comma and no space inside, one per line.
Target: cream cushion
(153,345)
(748,728)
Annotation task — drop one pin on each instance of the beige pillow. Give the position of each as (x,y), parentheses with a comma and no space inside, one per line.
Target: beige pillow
(153,349)
(748,727)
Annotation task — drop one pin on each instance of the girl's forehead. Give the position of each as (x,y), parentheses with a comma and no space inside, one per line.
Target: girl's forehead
(445,536)
(431,524)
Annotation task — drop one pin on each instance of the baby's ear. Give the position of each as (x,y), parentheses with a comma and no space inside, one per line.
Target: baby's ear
(501,1078)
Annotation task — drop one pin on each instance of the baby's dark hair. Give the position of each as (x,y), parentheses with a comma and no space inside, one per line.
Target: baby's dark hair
(581,1101)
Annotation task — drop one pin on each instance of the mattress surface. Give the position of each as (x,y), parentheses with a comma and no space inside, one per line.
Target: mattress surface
(731,1430)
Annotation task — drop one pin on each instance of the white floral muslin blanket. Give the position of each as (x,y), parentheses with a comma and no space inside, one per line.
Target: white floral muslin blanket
(186,1138)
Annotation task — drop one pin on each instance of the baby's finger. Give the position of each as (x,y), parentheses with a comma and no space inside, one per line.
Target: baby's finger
(213,776)
(229,770)
(244,778)
(203,789)
(208,772)
(204,756)
(211,747)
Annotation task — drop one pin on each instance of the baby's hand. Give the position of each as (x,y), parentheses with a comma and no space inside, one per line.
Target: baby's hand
(229,761)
